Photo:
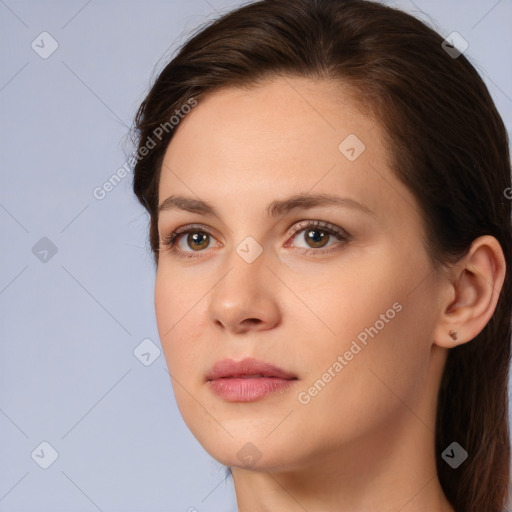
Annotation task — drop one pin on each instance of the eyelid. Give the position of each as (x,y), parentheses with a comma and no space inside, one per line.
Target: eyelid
(317,224)
(192,227)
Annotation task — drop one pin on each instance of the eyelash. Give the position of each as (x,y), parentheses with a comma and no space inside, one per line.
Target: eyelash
(170,241)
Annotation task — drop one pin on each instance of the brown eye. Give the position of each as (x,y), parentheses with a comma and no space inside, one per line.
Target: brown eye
(198,240)
(187,240)
(316,238)
(317,235)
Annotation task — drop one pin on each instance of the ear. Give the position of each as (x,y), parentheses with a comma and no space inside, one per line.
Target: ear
(472,289)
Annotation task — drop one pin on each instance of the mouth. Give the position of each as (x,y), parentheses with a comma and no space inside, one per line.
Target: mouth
(248,368)
(248,380)
(257,376)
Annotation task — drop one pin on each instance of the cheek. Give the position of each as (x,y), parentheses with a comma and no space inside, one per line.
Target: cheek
(383,317)
(176,310)
(179,313)
(176,298)
(345,302)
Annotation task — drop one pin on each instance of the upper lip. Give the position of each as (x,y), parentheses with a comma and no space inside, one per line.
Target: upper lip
(248,366)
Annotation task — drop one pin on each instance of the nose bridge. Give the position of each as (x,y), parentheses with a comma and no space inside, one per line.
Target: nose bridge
(244,292)
(246,268)
(246,259)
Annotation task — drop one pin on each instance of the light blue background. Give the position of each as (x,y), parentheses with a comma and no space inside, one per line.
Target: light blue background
(68,375)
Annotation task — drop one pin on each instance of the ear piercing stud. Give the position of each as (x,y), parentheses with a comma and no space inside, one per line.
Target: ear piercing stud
(453,335)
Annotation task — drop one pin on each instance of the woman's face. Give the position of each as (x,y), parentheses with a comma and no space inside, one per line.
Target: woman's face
(348,307)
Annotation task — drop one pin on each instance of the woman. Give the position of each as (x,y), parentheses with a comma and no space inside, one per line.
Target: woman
(327,188)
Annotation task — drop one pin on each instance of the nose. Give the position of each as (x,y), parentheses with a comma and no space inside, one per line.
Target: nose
(245,299)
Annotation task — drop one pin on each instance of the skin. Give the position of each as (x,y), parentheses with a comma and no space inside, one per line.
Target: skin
(365,442)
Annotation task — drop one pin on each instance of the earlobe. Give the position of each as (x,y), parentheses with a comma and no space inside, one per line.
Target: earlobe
(473,293)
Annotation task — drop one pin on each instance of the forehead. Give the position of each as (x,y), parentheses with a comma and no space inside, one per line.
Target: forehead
(287,136)
(289,117)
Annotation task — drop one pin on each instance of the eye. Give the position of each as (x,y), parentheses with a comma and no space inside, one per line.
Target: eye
(317,235)
(197,239)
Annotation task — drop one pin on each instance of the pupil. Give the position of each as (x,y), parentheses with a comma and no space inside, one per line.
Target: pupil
(315,239)
(198,239)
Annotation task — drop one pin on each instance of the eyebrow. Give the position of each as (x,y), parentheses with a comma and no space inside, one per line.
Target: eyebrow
(276,208)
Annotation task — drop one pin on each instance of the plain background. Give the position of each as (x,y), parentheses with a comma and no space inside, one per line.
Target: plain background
(75,305)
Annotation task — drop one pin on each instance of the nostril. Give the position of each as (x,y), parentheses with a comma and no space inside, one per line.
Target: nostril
(253,320)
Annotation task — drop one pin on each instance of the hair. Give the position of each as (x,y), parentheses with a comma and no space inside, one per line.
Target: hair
(447,144)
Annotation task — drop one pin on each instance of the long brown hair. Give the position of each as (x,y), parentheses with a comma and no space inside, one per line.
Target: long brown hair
(447,142)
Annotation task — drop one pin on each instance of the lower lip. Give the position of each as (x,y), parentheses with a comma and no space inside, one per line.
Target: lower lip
(249,390)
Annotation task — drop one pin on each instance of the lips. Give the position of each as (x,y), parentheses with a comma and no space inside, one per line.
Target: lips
(248,368)
(248,380)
